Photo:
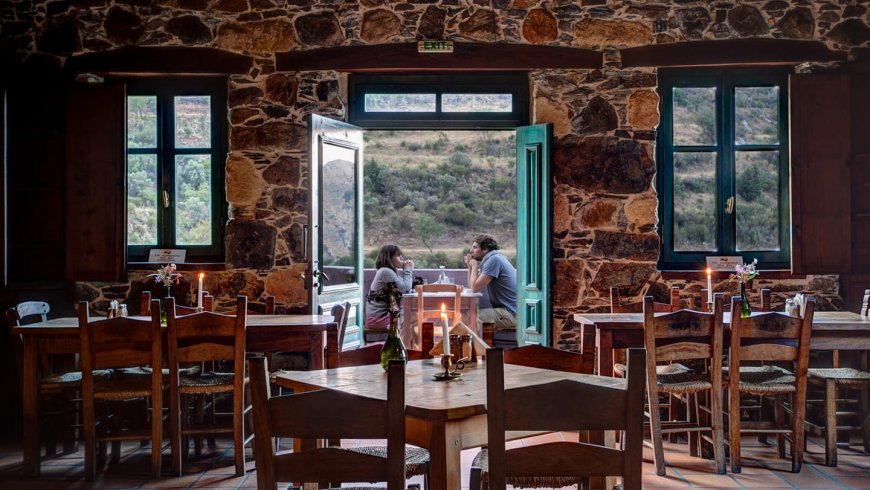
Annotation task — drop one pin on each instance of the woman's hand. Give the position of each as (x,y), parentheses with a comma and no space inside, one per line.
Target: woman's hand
(408,265)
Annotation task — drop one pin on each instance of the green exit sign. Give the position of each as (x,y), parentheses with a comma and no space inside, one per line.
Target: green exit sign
(435,46)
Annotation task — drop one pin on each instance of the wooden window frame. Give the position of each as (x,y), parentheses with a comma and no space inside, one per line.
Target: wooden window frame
(165,89)
(725,148)
(515,83)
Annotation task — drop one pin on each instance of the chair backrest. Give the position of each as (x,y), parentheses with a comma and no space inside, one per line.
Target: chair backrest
(118,343)
(455,312)
(568,405)
(534,355)
(328,414)
(684,335)
(207,304)
(340,314)
(616,305)
(206,336)
(865,304)
(371,353)
(764,297)
(28,309)
(770,336)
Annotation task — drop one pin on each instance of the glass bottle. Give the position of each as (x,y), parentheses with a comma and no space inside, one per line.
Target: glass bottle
(393,349)
(442,277)
(163,305)
(745,309)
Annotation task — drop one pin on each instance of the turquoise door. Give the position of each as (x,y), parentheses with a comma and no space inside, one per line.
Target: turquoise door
(534,234)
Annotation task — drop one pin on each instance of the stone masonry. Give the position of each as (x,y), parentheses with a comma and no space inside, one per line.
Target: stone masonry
(605,119)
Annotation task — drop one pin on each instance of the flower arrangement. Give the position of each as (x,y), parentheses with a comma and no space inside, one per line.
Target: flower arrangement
(745,273)
(166,274)
(390,295)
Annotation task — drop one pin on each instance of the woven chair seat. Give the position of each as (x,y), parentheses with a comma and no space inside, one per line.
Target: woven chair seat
(764,380)
(146,371)
(482,461)
(208,382)
(70,380)
(416,458)
(844,376)
(677,378)
(619,369)
(118,385)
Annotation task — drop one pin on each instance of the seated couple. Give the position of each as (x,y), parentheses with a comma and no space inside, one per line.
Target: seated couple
(487,268)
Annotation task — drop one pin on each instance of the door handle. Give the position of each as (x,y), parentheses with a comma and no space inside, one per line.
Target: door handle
(305,243)
(729,205)
(316,273)
(165,198)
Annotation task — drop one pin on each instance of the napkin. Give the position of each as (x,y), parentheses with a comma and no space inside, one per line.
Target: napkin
(461,329)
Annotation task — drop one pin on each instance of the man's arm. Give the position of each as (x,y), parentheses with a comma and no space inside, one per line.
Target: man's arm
(476,280)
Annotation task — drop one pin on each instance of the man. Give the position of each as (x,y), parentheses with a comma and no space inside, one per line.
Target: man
(488,268)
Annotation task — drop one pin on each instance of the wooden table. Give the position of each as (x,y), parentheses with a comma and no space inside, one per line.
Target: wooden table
(831,330)
(265,333)
(443,417)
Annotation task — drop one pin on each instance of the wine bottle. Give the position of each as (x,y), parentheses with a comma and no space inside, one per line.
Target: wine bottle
(394,349)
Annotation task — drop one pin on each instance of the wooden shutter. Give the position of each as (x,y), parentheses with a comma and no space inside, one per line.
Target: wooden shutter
(820,196)
(95,183)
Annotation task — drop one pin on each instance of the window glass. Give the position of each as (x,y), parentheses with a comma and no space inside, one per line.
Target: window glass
(756,115)
(193,122)
(142,199)
(141,121)
(694,202)
(757,206)
(694,115)
(400,102)
(193,220)
(476,103)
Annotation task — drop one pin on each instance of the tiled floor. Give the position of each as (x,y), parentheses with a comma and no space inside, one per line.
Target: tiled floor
(762,469)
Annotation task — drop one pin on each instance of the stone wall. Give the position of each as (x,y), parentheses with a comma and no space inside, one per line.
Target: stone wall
(605,120)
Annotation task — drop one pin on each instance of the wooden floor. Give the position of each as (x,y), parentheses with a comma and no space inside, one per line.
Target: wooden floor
(762,469)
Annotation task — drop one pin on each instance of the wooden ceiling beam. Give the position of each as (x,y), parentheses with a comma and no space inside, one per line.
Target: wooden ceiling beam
(729,52)
(465,57)
(161,60)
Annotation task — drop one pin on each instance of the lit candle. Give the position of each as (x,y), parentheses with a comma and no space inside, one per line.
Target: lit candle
(709,286)
(445,336)
(199,291)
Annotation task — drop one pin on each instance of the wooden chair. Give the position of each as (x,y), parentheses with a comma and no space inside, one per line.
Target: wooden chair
(685,335)
(119,343)
(769,337)
(207,304)
(836,381)
(763,305)
(204,337)
(539,357)
(617,306)
(327,414)
(58,389)
(454,313)
(568,405)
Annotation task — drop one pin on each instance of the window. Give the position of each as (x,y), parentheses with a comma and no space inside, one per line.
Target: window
(175,159)
(723,166)
(429,101)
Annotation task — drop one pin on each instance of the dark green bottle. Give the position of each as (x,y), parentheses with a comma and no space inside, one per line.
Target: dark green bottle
(394,349)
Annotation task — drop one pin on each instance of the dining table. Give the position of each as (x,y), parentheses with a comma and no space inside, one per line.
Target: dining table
(433,301)
(832,330)
(444,417)
(264,333)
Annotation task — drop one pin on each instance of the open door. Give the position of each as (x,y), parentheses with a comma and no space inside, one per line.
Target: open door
(534,234)
(334,242)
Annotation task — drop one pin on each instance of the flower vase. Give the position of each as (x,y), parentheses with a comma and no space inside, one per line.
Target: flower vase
(394,349)
(167,294)
(745,309)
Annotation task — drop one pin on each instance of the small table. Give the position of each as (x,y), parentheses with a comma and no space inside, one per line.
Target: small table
(443,417)
(433,301)
(832,330)
(265,333)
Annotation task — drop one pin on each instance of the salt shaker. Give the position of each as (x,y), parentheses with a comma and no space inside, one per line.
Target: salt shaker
(122,310)
(791,308)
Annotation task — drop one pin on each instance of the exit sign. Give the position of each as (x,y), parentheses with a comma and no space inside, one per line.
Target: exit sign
(435,46)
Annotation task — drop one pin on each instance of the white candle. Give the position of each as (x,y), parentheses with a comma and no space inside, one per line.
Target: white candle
(199,291)
(445,338)
(709,286)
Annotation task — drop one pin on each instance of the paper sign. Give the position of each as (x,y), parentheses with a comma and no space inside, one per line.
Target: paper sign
(167,255)
(724,262)
(434,46)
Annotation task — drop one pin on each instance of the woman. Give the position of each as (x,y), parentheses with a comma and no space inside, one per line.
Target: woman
(391,268)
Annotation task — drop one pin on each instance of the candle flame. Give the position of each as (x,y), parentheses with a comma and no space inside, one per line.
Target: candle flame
(201,275)
(443,308)
(709,271)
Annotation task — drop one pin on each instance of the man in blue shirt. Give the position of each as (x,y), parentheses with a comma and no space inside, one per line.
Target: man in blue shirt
(488,268)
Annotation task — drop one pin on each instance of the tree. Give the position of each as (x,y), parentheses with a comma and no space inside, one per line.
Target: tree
(427,228)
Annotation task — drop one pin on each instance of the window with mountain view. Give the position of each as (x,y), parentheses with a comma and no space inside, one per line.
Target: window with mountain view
(174,166)
(723,166)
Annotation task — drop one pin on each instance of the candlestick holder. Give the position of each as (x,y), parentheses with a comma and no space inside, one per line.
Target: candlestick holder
(450,370)
(199,309)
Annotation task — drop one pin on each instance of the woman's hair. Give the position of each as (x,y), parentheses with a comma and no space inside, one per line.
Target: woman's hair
(486,242)
(386,255)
